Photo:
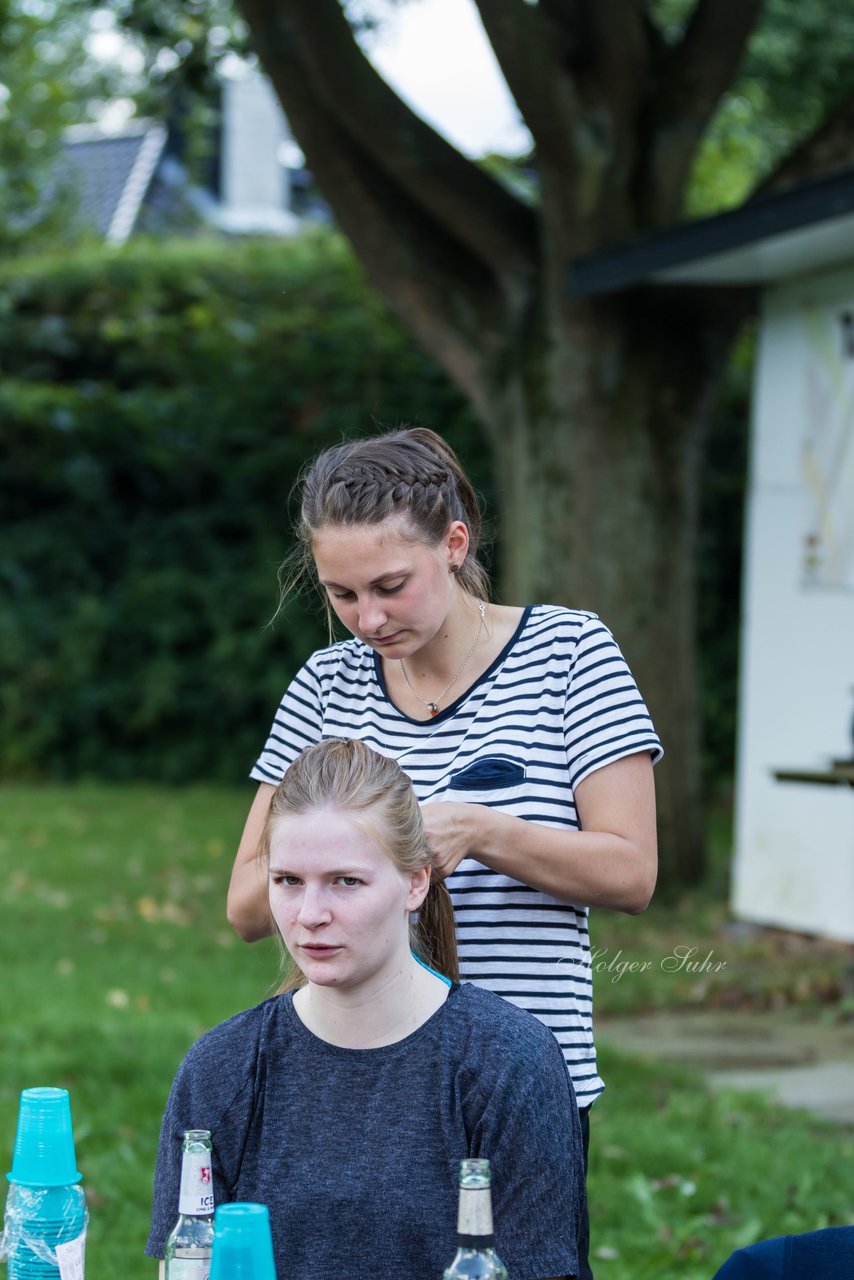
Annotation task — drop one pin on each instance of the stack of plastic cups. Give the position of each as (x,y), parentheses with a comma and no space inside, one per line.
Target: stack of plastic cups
(45,1221)
(242,1243)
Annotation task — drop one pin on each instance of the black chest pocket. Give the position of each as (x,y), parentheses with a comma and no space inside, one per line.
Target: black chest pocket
(490,773)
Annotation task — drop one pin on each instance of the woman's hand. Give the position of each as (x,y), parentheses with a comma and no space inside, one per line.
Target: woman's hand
(611,862)
(451,827)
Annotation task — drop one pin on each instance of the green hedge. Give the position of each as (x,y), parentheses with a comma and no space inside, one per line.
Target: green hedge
(156,404)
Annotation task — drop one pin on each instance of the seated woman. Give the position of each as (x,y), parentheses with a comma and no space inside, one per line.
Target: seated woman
(346,1102)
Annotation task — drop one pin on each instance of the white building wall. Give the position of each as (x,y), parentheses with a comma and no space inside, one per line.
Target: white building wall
(794,856)
(254,179)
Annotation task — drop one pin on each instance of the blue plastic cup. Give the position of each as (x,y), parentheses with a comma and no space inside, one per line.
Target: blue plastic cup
(242,1243)
(36,1221)
(44,1144)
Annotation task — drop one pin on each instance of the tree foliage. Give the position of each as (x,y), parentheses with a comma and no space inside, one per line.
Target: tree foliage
(48,81)
(796,69)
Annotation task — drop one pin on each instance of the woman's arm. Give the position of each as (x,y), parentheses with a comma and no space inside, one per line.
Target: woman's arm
(611,862)
(247,907)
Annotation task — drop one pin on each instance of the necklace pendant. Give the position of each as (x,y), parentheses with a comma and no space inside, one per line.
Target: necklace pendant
(433,708)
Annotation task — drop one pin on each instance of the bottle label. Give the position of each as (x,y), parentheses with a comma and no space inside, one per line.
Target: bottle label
(197,1193)
(475,1212)
(189,1268)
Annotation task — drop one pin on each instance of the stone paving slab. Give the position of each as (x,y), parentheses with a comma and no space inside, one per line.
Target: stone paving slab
(800,1060)
(826,1089)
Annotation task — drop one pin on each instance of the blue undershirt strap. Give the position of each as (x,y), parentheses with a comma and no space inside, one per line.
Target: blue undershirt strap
(440,976)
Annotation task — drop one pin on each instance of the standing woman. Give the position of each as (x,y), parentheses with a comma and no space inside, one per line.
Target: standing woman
(522,729)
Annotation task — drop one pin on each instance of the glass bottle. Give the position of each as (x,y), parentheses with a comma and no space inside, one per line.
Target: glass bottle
(187,1253)
(476,1258)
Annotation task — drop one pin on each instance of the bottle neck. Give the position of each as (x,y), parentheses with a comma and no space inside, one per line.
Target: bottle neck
(196,1199)
(474,1218)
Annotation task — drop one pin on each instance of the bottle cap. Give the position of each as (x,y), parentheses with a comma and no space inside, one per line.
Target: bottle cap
(44,1144)
(242,1243)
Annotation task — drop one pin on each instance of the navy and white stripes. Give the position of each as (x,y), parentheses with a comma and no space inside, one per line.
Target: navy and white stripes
(558,703)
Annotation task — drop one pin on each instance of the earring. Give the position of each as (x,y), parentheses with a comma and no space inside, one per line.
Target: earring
(453,568)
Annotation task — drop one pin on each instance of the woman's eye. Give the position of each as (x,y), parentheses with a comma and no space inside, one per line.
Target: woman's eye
(392,591)
(349,881)
(290,881)
(342,595)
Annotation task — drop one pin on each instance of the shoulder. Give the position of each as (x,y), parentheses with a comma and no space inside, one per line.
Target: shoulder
(493,1020)
(560,620)
(344,655)
(227,1048)
(553,633)
(503,1056)
(579,633)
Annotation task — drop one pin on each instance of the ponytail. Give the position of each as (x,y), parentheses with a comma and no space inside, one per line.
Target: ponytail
(434,935)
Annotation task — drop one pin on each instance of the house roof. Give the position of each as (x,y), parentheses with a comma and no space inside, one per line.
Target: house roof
(111,173)
(810,227)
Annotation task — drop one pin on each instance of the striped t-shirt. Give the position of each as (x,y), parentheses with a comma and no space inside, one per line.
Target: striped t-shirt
(557,703)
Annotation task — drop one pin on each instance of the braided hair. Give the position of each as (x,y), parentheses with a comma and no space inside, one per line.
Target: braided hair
(411,472)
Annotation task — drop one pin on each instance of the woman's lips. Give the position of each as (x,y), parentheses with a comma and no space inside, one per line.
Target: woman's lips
(381,640)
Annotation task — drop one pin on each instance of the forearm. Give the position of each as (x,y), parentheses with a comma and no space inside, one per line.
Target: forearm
(247,906)
(586,868)
(610,862)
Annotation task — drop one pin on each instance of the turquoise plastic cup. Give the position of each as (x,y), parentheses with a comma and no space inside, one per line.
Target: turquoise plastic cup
(36,1221)
(44,1144)
(242,1243)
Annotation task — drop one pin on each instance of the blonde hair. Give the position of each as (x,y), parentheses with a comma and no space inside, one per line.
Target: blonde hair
(412,473)
(346,775)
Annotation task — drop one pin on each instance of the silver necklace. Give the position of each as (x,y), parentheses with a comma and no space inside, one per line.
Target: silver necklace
(433,707)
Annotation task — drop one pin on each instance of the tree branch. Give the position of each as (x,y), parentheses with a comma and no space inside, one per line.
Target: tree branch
(445,295)
(693,78)
(468,203)
(578,71)
(830,147)
(530,50)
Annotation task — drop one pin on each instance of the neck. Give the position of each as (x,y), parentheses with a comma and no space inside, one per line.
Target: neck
(439,660)
(380,1012)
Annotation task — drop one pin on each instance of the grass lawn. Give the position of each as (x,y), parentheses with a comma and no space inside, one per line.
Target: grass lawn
(691,954)
(116,955)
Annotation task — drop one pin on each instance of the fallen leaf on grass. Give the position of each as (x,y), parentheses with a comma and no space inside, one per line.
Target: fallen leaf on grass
(161,912)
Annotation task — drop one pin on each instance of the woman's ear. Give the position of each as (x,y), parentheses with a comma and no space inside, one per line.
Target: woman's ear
(419,883)
(457,542)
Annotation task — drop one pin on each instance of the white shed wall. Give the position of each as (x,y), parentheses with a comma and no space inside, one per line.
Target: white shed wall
(794,856)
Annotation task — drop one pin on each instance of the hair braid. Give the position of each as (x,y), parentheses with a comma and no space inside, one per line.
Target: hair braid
(411,473)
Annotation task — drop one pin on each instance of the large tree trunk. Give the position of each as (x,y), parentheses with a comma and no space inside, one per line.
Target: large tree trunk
(596,411)
(599,453)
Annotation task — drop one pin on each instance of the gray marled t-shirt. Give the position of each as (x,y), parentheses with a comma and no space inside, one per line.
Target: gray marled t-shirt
(356,1151)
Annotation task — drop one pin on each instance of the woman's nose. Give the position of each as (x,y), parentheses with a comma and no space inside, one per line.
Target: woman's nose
(313,910)
(372,617)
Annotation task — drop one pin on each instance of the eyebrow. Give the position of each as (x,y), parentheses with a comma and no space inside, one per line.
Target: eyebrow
(384,577)
(350,870)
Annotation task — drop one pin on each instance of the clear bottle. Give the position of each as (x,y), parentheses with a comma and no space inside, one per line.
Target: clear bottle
(189,1245)
(476,1257)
